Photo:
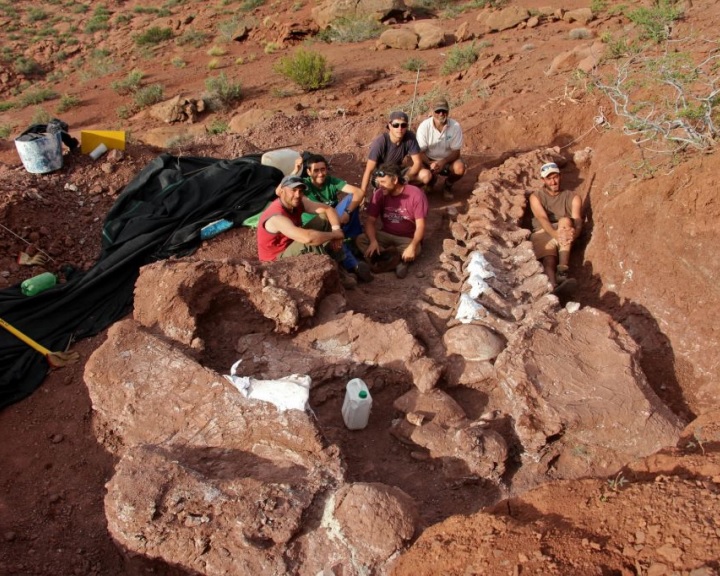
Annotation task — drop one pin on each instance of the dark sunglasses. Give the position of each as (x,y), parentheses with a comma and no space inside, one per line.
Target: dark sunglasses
(399,125)
(380,174)
(440,111)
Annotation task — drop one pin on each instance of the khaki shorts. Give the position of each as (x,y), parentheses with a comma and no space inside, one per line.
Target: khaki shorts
(544,244)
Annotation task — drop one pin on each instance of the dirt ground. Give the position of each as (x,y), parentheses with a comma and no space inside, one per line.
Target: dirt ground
(54,470)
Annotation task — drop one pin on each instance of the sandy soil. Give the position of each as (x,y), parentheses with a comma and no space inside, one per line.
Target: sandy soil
(53,468)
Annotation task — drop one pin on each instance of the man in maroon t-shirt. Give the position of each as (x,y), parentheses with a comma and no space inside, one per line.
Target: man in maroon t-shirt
(402,210)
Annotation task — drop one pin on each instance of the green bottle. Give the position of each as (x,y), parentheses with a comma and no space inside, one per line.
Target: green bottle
(38,283)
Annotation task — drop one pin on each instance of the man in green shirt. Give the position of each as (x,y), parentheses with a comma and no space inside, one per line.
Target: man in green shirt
(325,188)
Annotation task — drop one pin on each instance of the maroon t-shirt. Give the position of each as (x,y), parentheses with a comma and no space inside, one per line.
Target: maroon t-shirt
(399,213)
(270,245)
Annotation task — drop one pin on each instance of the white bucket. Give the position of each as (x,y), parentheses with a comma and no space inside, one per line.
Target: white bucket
(40,154)
(283,159)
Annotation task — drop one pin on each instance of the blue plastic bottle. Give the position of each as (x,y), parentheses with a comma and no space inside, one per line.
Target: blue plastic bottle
(214,228)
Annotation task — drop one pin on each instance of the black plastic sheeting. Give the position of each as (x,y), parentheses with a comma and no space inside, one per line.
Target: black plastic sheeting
(159,214)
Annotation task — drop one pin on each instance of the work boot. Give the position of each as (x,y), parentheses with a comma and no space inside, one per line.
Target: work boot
(401,270)
(447,192)
(362,270)
(348,281)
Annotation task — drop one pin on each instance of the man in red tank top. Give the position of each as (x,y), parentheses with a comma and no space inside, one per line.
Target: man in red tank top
(557,222)
(280,232)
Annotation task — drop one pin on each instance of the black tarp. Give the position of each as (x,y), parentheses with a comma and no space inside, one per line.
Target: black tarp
(157,215)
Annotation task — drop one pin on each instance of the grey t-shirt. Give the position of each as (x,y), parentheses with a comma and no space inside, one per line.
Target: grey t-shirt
(383,151)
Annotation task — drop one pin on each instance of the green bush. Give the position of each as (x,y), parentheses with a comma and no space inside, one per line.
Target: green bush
(223,92)
(67,101)
(6,105)
(349,30)
(414,65)
(98,21)
(218,126)
(40,116)
(248,5)
(153,35)
(655,22)
(130,84)
(460,58)
(36,96)
(306,68)
(149,95)
(27,66)
(6,130)
(194,38)
(36,15)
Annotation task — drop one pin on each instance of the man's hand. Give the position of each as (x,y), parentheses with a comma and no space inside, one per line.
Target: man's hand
(373,248)
(409,253)
(297,169)
(565,237)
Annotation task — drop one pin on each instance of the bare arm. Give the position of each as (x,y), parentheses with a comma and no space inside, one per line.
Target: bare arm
(410,252)
(367,175)
(320,209)
(279,224)
(357,196)
(577,215)
(542,217)
(371,232)
(414,170)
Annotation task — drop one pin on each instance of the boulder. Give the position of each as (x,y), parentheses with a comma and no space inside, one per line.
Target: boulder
(170,136)
(399,38)
(331,10)
(583,58)
(430,35)
(241,122)
(581,15)
(506,18)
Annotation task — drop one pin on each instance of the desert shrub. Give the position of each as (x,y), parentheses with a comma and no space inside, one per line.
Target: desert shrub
(67,101)
(6,105)
(349,30)
(194,38)
(213,64)
(414,64)
(27,66)
(178,62)
(218,126)
(655,22)
(460,58)
(98,21)
(36,96)
(153,35)
(306,68)
(123,19)
(217,51)
(124,112)
(40,116)
(248,5)
(271,47)
(149,95)
(580,34)
(597,6)
(6,130)
(670,101)
(131,83)
(36,15)
(222,91)
(79,8)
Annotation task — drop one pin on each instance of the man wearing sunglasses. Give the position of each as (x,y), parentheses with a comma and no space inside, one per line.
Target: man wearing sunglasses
(440,139)
(556,223)
(280,233)
(402,209)
(392,147)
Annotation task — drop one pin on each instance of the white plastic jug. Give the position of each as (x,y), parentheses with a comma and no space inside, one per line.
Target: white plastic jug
(357,404)
(283,159)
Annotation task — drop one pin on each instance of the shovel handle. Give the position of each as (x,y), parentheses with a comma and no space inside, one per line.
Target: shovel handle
(29,341)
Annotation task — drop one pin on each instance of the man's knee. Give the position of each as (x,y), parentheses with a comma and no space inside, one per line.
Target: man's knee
(458,168)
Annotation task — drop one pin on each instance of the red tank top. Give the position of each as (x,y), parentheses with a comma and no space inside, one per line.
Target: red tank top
(270,245)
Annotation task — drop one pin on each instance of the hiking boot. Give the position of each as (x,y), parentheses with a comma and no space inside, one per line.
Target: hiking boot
(448,193)
(348,281)
(565,288)
(362,270)
(401,270)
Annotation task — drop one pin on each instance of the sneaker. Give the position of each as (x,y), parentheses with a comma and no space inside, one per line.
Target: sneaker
(401,270)
(362,270)
(565,288)
(348,281)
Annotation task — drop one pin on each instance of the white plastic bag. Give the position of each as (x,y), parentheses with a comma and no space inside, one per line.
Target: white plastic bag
(287,393)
